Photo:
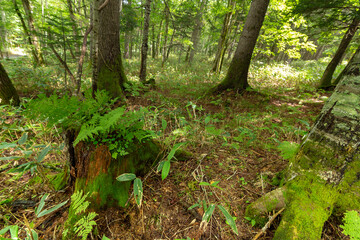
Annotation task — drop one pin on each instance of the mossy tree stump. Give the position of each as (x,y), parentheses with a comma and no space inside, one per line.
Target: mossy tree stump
(323,177)
(95,171)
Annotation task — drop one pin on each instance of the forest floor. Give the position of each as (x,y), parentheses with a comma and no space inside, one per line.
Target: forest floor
(233,140)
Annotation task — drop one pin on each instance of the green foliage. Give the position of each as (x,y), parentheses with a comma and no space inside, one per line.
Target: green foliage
(94,119)
(84,220)
(351,225)
(137,189)
(288,149)
(40,213)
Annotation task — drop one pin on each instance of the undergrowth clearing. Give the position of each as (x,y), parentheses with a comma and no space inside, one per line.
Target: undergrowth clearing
(232,140)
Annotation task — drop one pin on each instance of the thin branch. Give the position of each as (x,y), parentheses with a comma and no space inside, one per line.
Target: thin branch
(103,5)
(267,225)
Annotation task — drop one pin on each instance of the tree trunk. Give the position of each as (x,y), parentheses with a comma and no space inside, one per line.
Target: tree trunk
(74,25)
(108,72)
(236,77)
(8,94)
(171,44)
(144,47)
(32,32)
(27,33)
(197,30)
(153,45)
(326,79)
(127,41)
(224,36)
(352,68)
(323,178)
(157,50)
(167,13)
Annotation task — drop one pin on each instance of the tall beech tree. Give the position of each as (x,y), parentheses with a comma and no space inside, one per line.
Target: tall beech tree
(236,77)
(144,47)
(323,177)
(8,94)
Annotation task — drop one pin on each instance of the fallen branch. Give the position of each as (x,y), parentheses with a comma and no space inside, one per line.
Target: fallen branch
(267,225)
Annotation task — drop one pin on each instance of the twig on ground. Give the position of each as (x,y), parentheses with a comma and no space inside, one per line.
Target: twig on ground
(267,225)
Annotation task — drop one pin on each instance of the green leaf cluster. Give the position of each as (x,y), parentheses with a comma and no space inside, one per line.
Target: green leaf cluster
(85,223)
(93,119)
(351,225)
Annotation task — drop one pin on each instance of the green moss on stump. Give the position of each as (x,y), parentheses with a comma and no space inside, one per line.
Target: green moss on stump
(97,171)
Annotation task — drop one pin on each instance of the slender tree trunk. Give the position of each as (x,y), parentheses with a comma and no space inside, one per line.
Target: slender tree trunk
(326,79)
(33,31)
(127,40)
(108,71)
(144,47)
(3,34)
(224,36)
(81,60)
(236,77)
(8,94)
(157,50)
(74,25)
(171,44)
(27,33)
(352,68)
(195,36)
(153,45)
(167,13)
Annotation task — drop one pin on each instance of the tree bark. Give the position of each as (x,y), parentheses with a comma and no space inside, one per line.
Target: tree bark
(8,94)
(323,177)
(224,36)
(236,77)
(197,30)
(108,71)
(144,47)
(326,79)
(32,32)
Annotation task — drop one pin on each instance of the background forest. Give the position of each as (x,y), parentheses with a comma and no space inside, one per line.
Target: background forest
(151,119)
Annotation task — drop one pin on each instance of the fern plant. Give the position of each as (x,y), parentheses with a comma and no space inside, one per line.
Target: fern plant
(351,225)
(93,119)
(84,223)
